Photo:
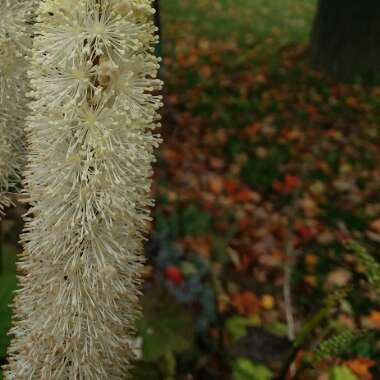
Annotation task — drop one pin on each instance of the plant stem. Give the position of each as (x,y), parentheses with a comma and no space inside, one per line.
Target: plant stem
(303,335)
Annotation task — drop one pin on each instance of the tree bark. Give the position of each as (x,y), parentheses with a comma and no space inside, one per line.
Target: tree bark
(345,40)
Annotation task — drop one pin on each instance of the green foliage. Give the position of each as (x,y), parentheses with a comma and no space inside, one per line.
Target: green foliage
(191,220)
(237,326)
(370,265)
(245,369)
(7,286)
(261,172)
(339,344)
(260,18)
(278,328)
(8,257)
(145,371)
(337,296)
(165,327)
(333,215)
(341,373)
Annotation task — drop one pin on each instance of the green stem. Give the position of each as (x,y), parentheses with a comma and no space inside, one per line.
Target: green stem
(303,335)
(170,366)
(309,327)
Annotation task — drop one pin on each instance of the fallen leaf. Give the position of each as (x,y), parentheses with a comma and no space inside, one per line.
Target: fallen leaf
(311,260)
(309,207)
(338,278)
(267,301)
(361,367)
(310,280)
(375,226)
(246,303)
(201,245)
(374,319)
(215,184)
(174,275)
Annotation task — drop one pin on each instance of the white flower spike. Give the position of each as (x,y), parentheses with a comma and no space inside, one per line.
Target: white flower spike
(14,44)
(91,148)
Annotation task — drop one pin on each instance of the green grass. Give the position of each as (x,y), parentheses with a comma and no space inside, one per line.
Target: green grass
(254,20)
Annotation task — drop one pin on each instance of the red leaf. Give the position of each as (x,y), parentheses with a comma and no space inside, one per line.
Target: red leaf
(305,233)
(174,275)
(230,186)
(291,182)
(244,195)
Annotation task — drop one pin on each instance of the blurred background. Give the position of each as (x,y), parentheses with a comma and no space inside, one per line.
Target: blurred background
(270,162)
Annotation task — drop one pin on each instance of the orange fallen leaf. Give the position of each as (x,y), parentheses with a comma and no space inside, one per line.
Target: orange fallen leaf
(206,71)
(352,102)
(311,260)
(361,366)
(310,280)
(246,303)
(374,318)
(375,226)
(244,195)
(252,129)
(201,245)
(216,184)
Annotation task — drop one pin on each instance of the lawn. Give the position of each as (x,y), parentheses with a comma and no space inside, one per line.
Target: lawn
(266,169)
(252,20)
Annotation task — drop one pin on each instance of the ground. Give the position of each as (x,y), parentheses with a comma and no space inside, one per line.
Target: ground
(266,169)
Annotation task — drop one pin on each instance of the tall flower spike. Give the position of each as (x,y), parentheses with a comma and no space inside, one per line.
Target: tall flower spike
(15,41)
(91,147)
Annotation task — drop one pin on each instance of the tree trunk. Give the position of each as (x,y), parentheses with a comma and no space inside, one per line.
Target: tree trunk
(345,41)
